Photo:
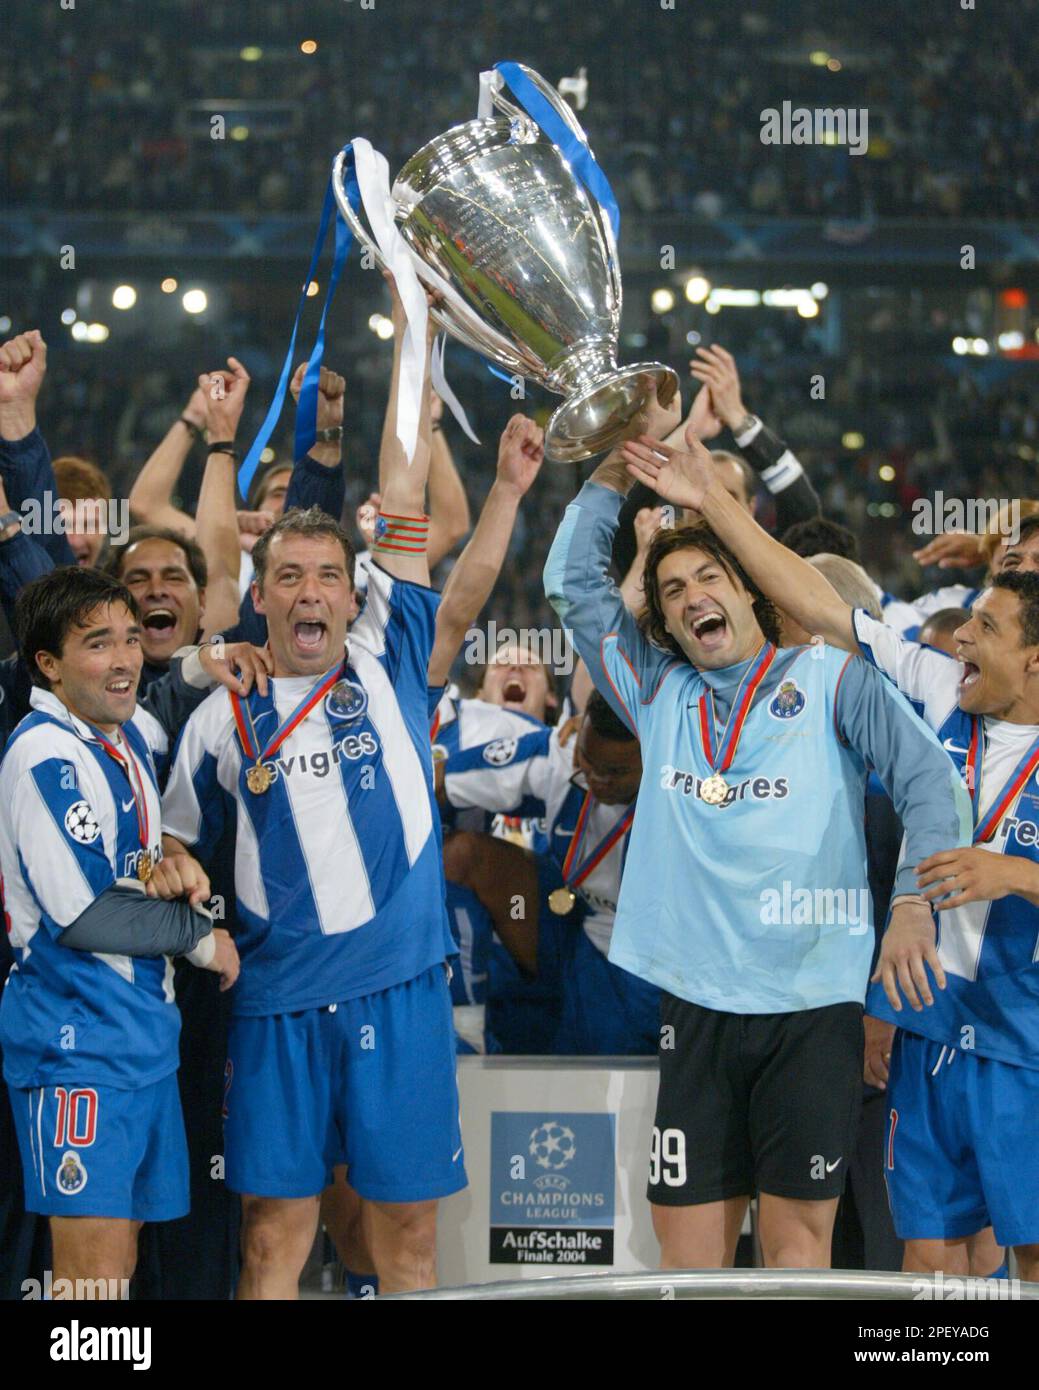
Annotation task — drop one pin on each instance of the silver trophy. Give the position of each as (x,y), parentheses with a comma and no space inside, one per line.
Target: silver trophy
(526,264)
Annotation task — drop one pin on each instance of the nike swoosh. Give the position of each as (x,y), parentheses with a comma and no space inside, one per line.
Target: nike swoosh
(831,1166)
(262,715)
(567,833)
(948,743)
(126,804)
(456,1155)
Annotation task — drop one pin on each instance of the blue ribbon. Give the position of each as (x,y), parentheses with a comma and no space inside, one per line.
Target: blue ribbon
(577,153)
(306,413)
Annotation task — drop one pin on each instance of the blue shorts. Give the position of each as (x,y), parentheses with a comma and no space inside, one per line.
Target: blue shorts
(607,1011)
(962,1139)
(523,1014)
(369,1082)
(99,1151)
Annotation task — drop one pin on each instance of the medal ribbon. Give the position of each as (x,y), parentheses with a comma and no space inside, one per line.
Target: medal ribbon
(251,746)
(574,876)
(133,776)
(720,760)
(985,829)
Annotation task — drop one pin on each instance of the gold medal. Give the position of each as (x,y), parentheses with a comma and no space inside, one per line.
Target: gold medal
(714,789)
(258,779)
(561,900)
(144,866)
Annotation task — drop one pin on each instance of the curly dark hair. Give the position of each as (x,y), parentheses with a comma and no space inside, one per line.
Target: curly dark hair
(699,537)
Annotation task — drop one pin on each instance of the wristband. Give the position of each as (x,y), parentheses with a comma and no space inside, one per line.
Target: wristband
(401,535)
(10,519)
(191,426)
(332,435)
(202,953)
(917,898)
(226,446)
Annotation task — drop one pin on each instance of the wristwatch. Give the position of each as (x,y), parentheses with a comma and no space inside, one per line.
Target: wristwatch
(333,435)
(9,519)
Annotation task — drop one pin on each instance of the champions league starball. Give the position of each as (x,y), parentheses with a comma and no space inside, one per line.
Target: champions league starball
(552,1145)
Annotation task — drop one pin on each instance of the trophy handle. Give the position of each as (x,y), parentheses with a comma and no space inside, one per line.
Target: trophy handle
(565,112)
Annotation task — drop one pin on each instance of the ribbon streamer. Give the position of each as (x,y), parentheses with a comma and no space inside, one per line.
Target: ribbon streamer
(438,378)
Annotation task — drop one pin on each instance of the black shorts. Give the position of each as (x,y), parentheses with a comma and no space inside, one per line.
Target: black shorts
(755,1103)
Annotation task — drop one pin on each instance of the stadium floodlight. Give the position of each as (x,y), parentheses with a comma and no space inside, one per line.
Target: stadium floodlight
(96,332)
(1009,341)
(692,337)
(727,298)
(852,439)
(267,455)
(5,323)
(195,301)
(960,346)
(820,289)
(662,301)
(239,132)
(980,346)
(79,331)
(308,46)
(818,58)
(887,473)
(312,289)
(808,308)
(68,316)
(385,329)
(834,64)
(697,288)
(251,54)
(124,297)
(168,285)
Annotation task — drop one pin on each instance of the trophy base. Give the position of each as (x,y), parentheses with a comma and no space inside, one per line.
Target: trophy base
(594,419)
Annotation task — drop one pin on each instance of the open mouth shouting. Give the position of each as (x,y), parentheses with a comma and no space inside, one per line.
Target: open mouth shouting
(971,675)
(121,688)
(308,636)
(710,629)
(514,691)
(159,622)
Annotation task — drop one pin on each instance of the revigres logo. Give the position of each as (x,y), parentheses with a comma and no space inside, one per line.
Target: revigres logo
(758,788)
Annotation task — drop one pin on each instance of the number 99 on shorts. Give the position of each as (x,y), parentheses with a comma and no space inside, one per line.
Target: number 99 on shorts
(667,1158)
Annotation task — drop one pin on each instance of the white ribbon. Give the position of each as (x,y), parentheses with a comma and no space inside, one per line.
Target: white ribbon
(438,378)
(373,181)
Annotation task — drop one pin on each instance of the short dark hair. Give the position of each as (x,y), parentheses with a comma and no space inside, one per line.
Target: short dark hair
(262,481)
(699,537)
(193,553)
(604,722)
(297,522)
(63,598)
(1025,529)
(945,622)
(818,535)
(1025,584)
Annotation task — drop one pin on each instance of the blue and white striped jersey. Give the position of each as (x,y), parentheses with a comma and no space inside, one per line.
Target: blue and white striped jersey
(68,830)
(989,950)
(467,723)
(534,776)
(908,618)
(338,871)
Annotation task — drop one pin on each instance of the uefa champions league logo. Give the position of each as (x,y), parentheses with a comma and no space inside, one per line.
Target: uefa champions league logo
(552,1145)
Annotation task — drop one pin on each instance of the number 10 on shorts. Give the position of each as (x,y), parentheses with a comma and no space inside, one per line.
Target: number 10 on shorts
(667,1157)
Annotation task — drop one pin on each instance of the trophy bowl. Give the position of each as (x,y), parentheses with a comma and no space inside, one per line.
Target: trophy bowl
(525,262)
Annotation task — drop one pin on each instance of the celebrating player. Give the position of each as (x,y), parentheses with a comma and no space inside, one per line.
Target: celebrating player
(341,1046)
(963,1081)
(745,895)
(88,1022)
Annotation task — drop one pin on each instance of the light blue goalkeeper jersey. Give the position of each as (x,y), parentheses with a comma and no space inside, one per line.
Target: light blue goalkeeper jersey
(760,905)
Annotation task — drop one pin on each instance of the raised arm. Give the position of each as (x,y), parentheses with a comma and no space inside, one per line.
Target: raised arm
(25,461)
(401,530)
(686,478)
(216,518)
(624,667)
(151,497)
(449,518)
(770,457)
(469,585)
